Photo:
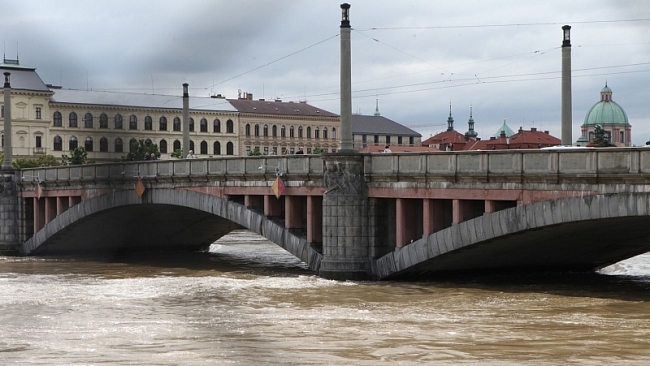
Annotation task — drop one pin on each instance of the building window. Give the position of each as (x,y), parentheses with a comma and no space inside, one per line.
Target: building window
(230,128)
(333,132)
(316,133)
(88,144)
(39,141)
(133,144)
(162,124)
(216,127)
(72,143)
(266,150)
(119,146)
(103,144)
(387,140)
(192,145)
(103,121)
(191,126)
(204,147)
(300,132)
(133,122)
(399,140)
(266,130)
(283,131)
(176,145)
(176,125)
(257,130)
(38,112)
(58,119)
(148,123)
(291,132)
(274,131)
(248,150)
(364,140)
(325,132)
(248,130)
(163,147)
(58,143)
(230,148)
(72,119)
(376,139)
(308,132)
(309,150)
(204,127)
(118,121)
(2,111)
(411,141)
(216,148)
(622,137)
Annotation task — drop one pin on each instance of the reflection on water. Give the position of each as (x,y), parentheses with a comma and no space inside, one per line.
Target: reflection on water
(247,302)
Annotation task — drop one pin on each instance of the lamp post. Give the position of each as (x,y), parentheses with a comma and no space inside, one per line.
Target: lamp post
(566,86)
(186,120)
(7,149)
(346,144)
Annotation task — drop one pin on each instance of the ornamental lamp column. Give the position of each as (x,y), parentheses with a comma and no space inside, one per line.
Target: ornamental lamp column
(7,149)
(186,120)
(567,118)
(346,143)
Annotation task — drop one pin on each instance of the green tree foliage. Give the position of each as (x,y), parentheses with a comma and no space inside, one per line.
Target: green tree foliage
(255,152)
(140,149)
(178,154)
(45,160)
(318,150)
(78,156)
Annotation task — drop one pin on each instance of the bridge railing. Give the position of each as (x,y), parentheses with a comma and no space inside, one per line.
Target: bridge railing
(570,165)
(306,167)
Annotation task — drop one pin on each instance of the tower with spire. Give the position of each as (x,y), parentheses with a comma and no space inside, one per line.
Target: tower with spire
(377,107)
(470,134)
(450,120)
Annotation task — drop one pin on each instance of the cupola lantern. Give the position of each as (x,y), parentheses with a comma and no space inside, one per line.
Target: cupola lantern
(345,16)
(567,36)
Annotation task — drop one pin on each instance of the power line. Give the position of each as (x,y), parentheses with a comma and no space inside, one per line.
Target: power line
(506,25)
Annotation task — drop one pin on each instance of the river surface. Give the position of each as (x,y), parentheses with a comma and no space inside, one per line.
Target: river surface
(248,302)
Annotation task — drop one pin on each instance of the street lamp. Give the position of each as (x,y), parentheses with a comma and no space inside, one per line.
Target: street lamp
(345,16)
(567,36)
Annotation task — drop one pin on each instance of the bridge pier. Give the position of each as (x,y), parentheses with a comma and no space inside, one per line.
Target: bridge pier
(9,213)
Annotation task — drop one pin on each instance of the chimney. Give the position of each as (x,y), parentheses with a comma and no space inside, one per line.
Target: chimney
(533,129)
(546,132)
(249,96)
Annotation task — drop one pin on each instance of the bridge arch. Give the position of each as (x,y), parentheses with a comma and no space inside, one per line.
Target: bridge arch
(576,234)
(163,218)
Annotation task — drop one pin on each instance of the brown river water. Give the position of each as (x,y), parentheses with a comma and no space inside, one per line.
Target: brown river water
(248,302)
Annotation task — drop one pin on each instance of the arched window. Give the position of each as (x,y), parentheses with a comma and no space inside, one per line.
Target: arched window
(88,144)
(216,148)
(58,143)
(308,132)
(230,148)
(103,121)
(176,126)
(133,144)
(291,131)
(324,132)
(191,145)
(133,122)
(266,130)
(283,131)
(191,126)
(119,146)
(333,132)
(148,123)
(204,148)
(72,144)
(58,119)
(316,133)
(162,125)
(300,132)
(230,126)
(118,122)
(103,144)
(248,129)
(257,130)
(204,126)
(72,119)
(163,147)
(216,126)
(274,131)
(88,120)
(176,145)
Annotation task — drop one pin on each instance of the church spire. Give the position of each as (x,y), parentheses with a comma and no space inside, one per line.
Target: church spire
(450,120)
(377,107)
(471,134)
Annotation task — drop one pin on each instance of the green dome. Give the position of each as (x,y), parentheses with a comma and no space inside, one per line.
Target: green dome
(606,112)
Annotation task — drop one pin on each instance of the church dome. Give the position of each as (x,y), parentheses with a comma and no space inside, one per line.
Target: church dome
(606,112)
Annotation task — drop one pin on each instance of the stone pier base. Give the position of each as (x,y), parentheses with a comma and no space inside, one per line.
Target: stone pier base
(9,224)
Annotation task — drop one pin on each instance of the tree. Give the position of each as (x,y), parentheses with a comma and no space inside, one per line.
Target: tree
(140,149)
(178,154)
(318,150)
(45,160)
(256,152)
(77,156)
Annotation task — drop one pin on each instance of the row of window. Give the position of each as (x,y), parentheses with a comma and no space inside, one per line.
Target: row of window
(364,139)
(283,131)
(118,123)
(283,150)
(118,145)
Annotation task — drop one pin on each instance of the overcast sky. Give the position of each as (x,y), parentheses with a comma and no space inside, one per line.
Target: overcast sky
(415,57)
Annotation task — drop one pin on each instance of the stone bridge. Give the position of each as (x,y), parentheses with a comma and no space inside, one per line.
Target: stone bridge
(350,216)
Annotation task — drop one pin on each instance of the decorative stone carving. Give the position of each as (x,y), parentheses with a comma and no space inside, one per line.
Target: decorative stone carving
(344,178)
